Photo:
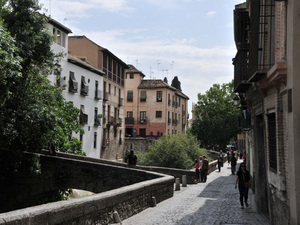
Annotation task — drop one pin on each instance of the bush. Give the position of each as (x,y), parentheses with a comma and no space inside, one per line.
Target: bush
(174,151)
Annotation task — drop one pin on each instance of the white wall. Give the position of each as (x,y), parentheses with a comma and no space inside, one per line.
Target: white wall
(89,103)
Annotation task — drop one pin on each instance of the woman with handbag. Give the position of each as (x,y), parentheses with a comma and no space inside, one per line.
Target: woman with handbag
(243,179)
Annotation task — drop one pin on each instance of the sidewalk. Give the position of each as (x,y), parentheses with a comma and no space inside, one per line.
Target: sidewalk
(214,202)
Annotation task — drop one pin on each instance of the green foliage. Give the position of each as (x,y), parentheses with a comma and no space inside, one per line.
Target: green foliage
(176,83)
(174,151)
(73,146)
(217,117)
(33,113)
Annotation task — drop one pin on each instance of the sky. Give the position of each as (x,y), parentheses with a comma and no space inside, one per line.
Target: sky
(190,39)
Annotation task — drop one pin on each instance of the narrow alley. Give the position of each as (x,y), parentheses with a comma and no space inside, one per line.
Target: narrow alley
(211,203)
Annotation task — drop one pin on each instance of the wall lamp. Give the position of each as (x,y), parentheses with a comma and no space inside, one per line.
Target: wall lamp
(236,100)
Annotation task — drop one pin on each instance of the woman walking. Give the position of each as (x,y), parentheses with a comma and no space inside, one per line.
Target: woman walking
(243,180)
(220,162)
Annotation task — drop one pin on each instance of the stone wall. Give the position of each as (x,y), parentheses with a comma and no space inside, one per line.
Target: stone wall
(95,209)
(59,173)
(177,173)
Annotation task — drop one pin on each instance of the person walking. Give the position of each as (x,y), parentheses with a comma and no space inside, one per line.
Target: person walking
(220,162)
(131,159)
(197,170)
(204,169)
(200,167)
(233,163)
(243,181)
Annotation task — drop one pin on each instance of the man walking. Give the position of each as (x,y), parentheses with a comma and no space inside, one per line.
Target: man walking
(233,163)
(204,169)
(131,159)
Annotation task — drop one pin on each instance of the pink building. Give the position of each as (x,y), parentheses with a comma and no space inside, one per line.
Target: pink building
(152,107)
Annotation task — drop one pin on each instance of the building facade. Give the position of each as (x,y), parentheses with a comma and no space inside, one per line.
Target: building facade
(113,93)
(153,108)
(82,85)
(266,79)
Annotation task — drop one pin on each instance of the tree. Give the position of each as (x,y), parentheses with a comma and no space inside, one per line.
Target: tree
(33,112)
(216,121)
(176,83)
(174,151)
(165,80)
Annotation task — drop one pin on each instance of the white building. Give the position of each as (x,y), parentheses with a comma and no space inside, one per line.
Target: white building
(82,85)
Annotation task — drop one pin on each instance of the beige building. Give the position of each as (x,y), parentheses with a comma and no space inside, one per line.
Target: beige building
(113,92)
(266,78)
(153,107)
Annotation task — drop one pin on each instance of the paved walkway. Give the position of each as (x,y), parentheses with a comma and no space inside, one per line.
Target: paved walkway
(211,203)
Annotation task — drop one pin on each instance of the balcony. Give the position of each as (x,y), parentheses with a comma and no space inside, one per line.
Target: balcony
(129,120)
(73,85)
(106,96)
(169,102)
(169,120)
(143,120)
(83,118)
(98,94)
(97,121)
(121,101)
(240,63)
(84,90)
(118,122)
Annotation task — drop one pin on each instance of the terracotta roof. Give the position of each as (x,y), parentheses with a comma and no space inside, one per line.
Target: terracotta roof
(132,69)
(153,84)
(79,62)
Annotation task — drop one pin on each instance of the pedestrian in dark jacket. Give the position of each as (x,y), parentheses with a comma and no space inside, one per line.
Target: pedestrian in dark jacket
(233,163)
(204,169)
(243,181)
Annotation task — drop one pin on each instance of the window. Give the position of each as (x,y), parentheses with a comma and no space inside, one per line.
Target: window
(272,140)
(129,96)
(143,118)
(169,99)
(83,117)
(131,76)
(97,91)
(159,96)
(129,114)
(143,96)
(95,140)
(158,114)
(73,84)
(84,87)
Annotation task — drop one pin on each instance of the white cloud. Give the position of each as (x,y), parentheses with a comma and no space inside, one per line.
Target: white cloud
(79,9)
(211,13)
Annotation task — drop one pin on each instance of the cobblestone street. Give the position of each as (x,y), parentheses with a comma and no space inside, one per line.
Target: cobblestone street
(213,202)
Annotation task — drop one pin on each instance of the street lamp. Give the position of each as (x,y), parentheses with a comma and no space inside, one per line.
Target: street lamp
(236,100)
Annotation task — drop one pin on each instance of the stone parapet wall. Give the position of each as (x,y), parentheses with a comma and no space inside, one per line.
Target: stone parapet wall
(95,209)
(177,173)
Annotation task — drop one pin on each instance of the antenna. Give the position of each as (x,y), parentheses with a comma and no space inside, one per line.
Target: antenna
(158,62)
(172,68)
(151,72)
(137,63)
